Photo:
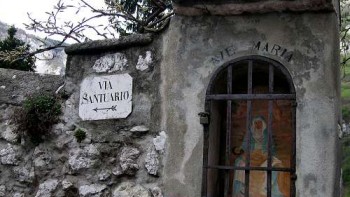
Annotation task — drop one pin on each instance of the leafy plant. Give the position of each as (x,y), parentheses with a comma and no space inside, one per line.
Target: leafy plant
(346,113)
(38,114)
(80,135)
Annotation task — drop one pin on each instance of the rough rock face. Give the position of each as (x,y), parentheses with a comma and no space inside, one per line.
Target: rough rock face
(42,159)
(10,155)
(46,188)
(128,161)
(9,134)
(156,192)
(2,190)
(152,158)
(144,63)
(152,162)
(24,174)
(66,184)
(111,63)
(83,158)
(139,130)
(128,189)
(159,142)
(7,128)
(18,194)
(104,175)
(94,190)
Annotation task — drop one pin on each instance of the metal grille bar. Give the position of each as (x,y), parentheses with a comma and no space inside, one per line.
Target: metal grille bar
(251,97)
(228,129)
(205,157)
(269,130)
(248,168)
(249,126)
(292,161)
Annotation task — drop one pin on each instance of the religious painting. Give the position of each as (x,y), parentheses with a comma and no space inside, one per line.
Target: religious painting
(251,142)
(280,149)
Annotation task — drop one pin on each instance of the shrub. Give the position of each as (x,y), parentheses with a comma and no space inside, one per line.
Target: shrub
(346,161)
(80,135)
(346,113)
(38,114)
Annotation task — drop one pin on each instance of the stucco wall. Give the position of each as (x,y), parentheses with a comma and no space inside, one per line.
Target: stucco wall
(197,46)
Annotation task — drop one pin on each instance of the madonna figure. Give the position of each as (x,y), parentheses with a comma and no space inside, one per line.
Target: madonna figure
(258,158)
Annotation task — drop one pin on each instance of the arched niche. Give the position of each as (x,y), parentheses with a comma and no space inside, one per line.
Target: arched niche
(249,140)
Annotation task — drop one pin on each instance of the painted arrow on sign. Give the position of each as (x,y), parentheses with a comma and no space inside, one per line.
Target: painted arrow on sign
(113,108)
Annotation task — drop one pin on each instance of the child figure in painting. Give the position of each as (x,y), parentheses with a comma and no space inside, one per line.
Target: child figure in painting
(258,158)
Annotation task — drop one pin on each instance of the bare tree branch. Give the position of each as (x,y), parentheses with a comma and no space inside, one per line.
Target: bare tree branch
(156,20)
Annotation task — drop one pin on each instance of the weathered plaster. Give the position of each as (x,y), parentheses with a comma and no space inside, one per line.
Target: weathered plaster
(197,46)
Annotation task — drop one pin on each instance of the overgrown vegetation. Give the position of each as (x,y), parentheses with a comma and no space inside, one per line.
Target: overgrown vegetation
(36,117)
(345,94)
(345,89)
(10,46)
(80,135)
(346,113)
(346,165)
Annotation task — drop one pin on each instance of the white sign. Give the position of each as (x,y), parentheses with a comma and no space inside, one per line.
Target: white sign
(105,97)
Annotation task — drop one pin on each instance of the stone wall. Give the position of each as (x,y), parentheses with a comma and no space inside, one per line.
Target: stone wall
(23,166)
(119,157)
